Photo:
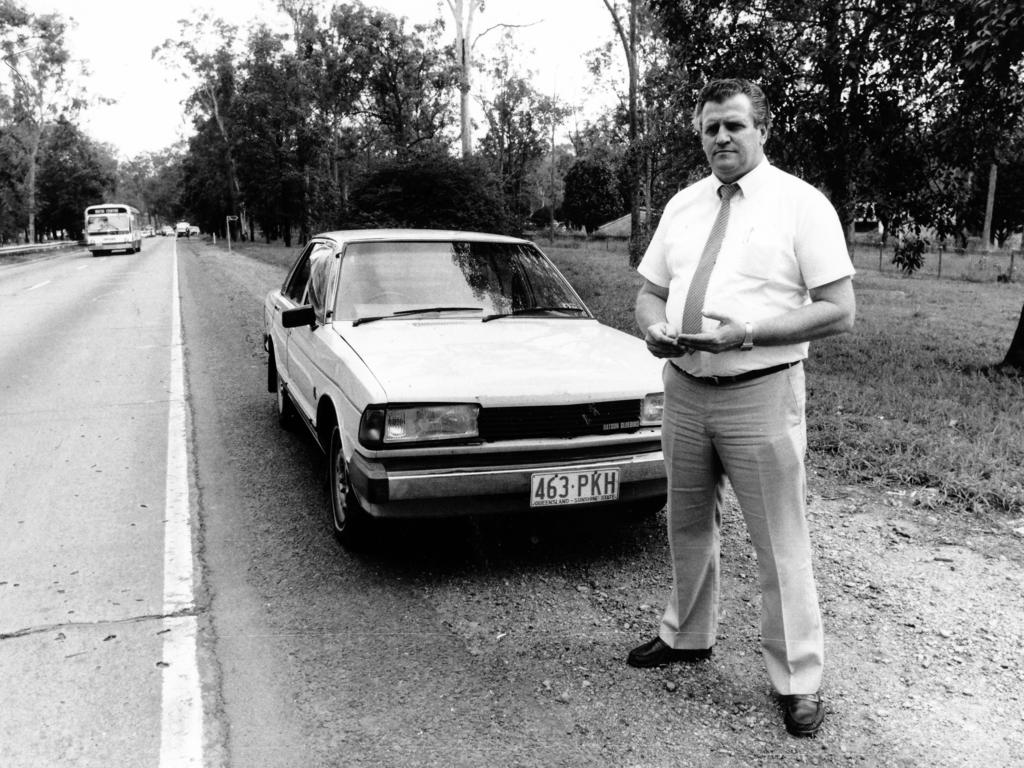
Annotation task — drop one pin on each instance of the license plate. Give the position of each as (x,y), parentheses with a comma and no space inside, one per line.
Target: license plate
(553,489)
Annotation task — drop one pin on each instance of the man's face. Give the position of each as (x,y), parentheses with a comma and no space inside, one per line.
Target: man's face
(732,143)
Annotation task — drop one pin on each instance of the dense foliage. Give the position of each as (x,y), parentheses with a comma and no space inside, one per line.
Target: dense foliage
(431,191)
(908,108)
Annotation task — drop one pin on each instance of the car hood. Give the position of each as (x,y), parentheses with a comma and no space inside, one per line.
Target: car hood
(504,362)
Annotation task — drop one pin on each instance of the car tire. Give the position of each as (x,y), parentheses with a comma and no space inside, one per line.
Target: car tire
(350,523)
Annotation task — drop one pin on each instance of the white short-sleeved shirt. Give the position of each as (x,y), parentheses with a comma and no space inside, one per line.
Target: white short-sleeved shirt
(783,238)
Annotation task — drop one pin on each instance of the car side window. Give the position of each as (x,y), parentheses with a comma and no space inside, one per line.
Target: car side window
(297,283)
(319,279)
(295,286)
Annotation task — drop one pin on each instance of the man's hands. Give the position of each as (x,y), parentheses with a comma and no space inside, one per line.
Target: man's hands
(663,340)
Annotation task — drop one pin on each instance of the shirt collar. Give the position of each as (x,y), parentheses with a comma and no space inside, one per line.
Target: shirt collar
(751,181)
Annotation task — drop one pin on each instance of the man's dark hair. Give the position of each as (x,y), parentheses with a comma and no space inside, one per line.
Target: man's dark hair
(718,91)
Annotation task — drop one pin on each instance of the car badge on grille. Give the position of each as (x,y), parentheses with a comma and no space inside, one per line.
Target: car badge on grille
(590,414)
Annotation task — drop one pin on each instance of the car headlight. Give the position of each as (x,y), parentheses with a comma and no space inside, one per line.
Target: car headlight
(652,408)
(382,426)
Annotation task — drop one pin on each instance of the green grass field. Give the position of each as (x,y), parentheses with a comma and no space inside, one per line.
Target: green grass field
(907,401)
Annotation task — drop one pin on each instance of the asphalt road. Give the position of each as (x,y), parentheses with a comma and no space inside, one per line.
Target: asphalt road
(83,453)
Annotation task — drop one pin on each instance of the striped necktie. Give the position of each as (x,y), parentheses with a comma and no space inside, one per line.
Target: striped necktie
(692,321)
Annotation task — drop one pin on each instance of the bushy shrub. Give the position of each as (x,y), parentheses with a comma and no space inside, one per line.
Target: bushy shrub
(908,254)
(433,192)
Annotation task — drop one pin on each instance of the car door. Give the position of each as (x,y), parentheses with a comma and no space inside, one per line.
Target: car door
(289,297)
(306,346)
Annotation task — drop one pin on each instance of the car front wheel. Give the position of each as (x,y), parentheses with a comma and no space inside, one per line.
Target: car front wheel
(350,523)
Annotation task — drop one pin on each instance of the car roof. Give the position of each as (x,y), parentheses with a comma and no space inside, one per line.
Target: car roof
(414,235)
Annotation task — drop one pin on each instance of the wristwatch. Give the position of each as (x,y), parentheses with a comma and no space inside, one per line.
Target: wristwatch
(748,337)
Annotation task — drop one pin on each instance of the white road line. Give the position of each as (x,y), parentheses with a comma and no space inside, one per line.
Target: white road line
(37,285)
(181,704)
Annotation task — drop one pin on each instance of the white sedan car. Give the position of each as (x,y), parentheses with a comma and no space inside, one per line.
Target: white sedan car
(451,373)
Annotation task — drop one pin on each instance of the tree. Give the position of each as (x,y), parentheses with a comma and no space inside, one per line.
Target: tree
(430,190)
(990,48)
(211,101)
(463,12)
(591,195)
(407,89)
(35,54)
(74,172)
(163,188)
(514,142)
(628,35)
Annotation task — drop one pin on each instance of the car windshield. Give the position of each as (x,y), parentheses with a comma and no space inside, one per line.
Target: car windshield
(407,279)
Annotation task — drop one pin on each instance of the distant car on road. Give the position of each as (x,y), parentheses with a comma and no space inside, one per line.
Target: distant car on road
(167,231)
(193,231)
(449,373)
(181,229)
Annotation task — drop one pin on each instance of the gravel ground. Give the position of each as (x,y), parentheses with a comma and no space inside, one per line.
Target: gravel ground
(923,618)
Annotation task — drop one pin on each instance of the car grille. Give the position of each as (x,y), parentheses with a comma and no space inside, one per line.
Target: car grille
(520,423)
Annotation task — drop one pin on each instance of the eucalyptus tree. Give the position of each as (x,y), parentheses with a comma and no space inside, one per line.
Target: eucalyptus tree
(516,118)
(269,111)
(205,53)
(74,172)
(626,21)
(37,63)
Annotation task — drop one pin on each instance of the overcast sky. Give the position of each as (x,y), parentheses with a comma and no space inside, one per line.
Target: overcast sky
(116,37)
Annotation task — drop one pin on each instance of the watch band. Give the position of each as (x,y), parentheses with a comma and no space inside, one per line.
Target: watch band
(748,337)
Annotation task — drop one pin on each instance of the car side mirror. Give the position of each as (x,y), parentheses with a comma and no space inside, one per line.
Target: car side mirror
(295,318)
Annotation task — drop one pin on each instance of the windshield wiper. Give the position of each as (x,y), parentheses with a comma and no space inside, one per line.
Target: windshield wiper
(421,310)
(532,311)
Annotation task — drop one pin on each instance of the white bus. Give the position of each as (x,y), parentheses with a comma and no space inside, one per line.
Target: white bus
(112,227)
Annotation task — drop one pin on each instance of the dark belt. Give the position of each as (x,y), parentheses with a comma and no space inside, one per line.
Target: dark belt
(717,381)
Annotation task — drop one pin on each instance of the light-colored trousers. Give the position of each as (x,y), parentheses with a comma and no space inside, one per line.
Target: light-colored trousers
(754,433)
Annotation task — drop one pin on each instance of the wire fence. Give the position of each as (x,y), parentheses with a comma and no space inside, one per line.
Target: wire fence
(975,265)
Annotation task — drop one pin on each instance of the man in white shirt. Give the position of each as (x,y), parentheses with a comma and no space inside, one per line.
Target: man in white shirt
(745,268)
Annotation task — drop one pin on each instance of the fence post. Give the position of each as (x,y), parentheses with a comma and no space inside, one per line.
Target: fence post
(940,261)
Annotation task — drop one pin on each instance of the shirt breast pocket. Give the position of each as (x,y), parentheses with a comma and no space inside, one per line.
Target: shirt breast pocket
(766,257)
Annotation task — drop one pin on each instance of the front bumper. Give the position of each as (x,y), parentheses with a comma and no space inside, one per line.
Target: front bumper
(400,490)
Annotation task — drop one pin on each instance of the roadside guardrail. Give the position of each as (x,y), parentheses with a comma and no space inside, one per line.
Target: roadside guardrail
(30,247)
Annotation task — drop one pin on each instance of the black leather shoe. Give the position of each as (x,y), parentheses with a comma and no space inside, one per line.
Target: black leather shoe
(805,713)
(656,653)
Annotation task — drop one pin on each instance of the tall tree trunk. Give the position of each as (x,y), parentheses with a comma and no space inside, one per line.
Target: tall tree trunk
(464,51)
(628,40)
(234,189)
(990,204)
(30,186)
